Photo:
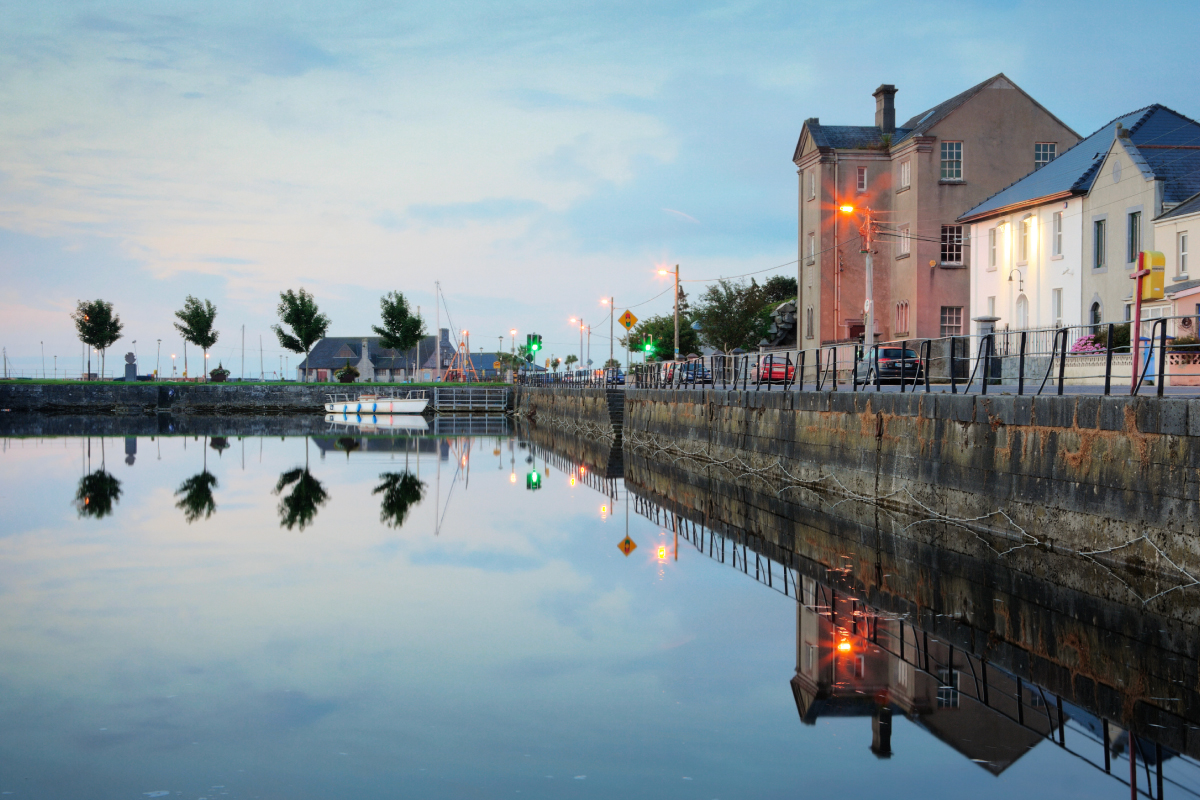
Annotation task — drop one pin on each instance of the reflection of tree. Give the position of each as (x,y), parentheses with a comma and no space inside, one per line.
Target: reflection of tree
(219,443)
(349,444)
(300,506)
(197,494)
(97,493)
(401,490)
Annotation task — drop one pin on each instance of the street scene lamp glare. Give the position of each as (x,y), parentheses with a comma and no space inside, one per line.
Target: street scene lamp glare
(847,209)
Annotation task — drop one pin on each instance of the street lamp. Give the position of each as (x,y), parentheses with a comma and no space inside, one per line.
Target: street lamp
(866,229)
(666,272)
(172,365)
(580,321)
(612,312)
(157,359)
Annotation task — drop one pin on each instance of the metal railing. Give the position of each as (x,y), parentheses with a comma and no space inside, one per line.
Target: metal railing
(593,378)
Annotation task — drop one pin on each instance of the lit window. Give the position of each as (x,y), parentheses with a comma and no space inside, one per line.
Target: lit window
(1098,244)
(951,320)
(1135,236)
(952,161)
(1183,253)
(903,673)
(810,657)
(1023,250)
(905,174)
(952,244)
(905,245)
(992,247)
(862,179)
(1044,153)
(1056,234)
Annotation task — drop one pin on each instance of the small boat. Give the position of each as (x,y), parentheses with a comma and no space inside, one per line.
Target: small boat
(379,423)
(414,402)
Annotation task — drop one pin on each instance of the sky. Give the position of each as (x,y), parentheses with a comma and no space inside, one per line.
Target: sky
(532,157)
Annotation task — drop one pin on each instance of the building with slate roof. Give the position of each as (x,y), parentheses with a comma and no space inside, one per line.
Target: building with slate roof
(917,178)
(375,363)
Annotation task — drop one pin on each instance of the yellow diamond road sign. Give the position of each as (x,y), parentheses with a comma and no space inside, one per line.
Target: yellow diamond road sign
(627,319)
(626,546)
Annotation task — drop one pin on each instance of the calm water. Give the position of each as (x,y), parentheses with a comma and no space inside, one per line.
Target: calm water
(298,617)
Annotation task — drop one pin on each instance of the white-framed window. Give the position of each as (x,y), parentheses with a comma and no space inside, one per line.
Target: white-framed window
(862,179)
(952,320)
(812,185)
(809,269)
(1056,307)
(902,317)
(1134,237)
(812,247)
(1183,253)
(810,657)
(1056,234)
(905,242)
(1044,153)
(993,247)
(991,306)
(952,244)
(904,673)
(1022,312)
(905,173)
(952,161)
(1023,244)
(947,693)
(1099,243)
(810,592)
(808,322)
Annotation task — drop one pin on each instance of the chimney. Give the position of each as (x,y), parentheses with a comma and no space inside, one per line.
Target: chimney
(885,108)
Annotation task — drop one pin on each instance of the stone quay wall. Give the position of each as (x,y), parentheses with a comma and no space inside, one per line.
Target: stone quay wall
(1078,474)
(180,398)
(578,410)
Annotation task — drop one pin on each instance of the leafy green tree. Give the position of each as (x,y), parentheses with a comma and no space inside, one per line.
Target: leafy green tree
(659,331)
(98,327)
(780,288)
(308,325)
(196,496)
(401,491)
(300,506)
(555,364)
(401,329)
(196,326)
(733,314)
(612,363)
(569,360)
(96,494)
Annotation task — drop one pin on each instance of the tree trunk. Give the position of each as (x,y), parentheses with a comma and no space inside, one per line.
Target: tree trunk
(306,371)
(185,359)
(205,350)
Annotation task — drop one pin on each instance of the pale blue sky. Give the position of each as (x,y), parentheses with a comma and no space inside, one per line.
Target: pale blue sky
(533,157)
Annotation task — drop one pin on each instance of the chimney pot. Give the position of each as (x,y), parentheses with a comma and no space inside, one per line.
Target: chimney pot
(885,108)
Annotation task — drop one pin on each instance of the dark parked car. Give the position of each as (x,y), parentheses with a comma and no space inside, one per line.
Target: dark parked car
(892,363)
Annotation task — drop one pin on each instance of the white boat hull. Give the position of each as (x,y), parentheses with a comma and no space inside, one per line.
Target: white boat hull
(381,406)
(381,422)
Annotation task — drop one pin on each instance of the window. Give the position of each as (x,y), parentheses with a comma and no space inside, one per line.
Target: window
(991,306)
(860,666)
(905,174)
(1043,154)
(992,247)
(905,245)
(952,154)
(808,274)
(947,693)
(810,592)
(862,179)
(952,244)
(1022,312)
(1135,236)
(1023,247)
(1183,253)
(951,320)
(812,185)
(904,673)
(810,657)
(902,317)
(1098,245)
(1095,316)
(1056,306)
(812,247)
(1056,234)
(808,322)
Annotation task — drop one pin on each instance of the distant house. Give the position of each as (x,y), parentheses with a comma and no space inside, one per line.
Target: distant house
(375,363)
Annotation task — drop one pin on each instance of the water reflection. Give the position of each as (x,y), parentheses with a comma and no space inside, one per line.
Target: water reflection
(300,505)
(196,496)
(98,492)
(401,491)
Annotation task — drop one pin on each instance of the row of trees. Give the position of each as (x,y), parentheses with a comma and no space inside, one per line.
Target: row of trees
(302,324)
(730,315)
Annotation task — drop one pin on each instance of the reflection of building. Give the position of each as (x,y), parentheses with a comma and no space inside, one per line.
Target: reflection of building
(850,661)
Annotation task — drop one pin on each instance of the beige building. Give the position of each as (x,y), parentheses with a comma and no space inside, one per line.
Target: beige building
(917,179)
(1150,168)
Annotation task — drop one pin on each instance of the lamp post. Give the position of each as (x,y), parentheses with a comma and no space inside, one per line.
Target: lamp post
(580,321)
(158,359)
(172,365)
(665,272)
(612,312)
(866,229)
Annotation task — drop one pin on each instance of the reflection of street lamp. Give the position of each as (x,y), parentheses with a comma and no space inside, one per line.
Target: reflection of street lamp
(665,272)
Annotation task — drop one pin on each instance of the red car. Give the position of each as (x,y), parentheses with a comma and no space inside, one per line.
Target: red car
(773,371)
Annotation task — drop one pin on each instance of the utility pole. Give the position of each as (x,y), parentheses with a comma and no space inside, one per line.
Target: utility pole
(589,361)
(262,372)
(866,230)
(43,344)
(437,332)
(612,312)
(664,272)
(243,375)
(158,361)
(581,338)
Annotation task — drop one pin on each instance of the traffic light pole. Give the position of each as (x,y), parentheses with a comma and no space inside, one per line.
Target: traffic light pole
(612,313)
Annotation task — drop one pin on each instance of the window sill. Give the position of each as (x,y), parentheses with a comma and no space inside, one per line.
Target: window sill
(903,189)
(903,255)
(1058,257)
(952,266)
(1182,277)
(1024,263)
(990,269)
(948,182)
(900,335)
(810,262)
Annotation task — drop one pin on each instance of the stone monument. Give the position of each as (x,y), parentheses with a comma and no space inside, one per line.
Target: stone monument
(130,367)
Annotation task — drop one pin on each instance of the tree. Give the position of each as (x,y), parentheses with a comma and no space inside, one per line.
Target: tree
(196,496)
(733,314)
(301,504)
(660,332)
(401,329)
(98,327)
(571,359)
(612,363)
(97,493)
(196,326)
(780,288)
(401,491)
(308,325)
(554,364)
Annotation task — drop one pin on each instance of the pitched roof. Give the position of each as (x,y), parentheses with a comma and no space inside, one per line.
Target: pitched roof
(1181,286)
(847,137)
(1188,206)
(1163,137)
(334,352)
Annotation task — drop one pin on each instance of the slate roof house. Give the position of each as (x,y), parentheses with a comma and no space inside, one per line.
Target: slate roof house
(917,178)
(375,363)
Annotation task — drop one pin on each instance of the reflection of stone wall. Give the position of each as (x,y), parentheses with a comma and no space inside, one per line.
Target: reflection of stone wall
(598,455)
(181,398)
(33,425)
(580,410)
(1077,473)
(1061,621)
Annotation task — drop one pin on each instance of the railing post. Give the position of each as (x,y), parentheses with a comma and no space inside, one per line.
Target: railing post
(1162,356)
(1021,366)
(854,370)
(903,372)
(875,358)
(770,370)
(926,355)
(1062,359)
(990,339)
(800,369)
(953,378)
(1108,351)
(833,364)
